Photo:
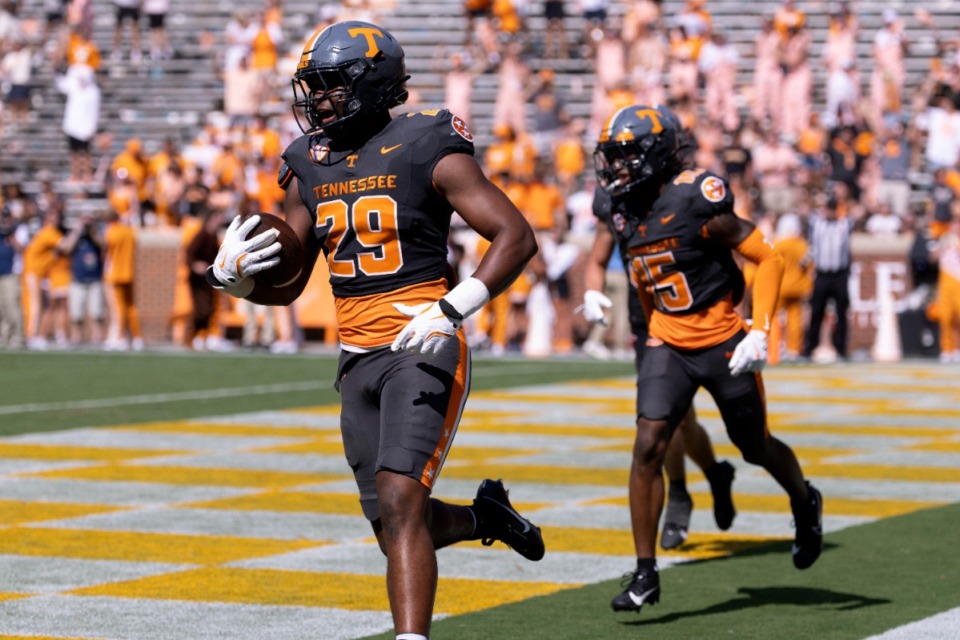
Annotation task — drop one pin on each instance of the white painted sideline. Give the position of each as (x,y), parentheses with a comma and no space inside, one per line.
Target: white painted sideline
(158,398)
(943,626)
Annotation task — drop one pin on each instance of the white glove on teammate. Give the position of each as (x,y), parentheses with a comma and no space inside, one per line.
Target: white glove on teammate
(750,354)
(239,257)
(427,332)
(593,306)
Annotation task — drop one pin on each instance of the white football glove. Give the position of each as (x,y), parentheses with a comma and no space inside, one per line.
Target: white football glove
(750,354)
(427,332)
(593,306)
(239,257)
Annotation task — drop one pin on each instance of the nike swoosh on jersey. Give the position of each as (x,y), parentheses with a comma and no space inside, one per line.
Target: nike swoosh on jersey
(666,219)
(386,150)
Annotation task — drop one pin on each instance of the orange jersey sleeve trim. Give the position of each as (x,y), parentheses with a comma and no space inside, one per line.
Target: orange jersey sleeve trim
(706,328)
(766,282)
(371,321)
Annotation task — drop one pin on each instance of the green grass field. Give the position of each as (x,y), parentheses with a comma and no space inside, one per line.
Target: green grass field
(871,578)
(48,391)
(889,434)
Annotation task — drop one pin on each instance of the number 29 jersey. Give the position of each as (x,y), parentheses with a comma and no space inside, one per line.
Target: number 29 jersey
(382,225)
(692,279)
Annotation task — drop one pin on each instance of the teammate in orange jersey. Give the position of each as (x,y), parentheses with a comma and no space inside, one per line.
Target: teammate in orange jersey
(375,195)
(119,271)
(690,437)
(680,228)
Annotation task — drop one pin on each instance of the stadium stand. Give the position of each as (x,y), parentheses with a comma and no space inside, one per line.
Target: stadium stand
(172,96)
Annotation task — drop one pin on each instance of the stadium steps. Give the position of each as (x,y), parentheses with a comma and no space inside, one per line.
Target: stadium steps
(173,97)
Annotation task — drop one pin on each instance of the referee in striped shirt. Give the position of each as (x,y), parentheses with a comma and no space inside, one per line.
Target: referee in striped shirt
(830,245)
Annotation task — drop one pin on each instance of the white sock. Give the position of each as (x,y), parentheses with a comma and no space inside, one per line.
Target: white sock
(411,636)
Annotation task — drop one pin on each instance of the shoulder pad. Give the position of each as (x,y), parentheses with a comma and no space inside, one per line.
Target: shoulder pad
(296,158)
(285,175)
(705,192)
(442,128)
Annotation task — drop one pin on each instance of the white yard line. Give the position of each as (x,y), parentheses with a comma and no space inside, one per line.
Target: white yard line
(158,398)
(229,392)
(943,626)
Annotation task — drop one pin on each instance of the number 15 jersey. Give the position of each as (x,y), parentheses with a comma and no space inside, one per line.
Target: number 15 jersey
(381,223)
(692,279)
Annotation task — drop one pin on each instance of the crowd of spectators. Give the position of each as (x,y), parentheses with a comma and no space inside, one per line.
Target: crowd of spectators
(881,153)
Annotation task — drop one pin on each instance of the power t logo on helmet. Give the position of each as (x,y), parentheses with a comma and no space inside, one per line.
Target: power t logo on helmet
(349,68)
(638,145)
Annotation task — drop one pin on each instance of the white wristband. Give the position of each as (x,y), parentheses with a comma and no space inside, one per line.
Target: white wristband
(468,297)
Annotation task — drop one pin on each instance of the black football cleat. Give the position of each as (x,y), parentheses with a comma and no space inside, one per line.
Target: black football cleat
(676,520)
(642,587)
(808,519)
(720,478)
(497,520)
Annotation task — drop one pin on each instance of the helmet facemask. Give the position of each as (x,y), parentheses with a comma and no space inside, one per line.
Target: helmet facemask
(622,167)
(348,92)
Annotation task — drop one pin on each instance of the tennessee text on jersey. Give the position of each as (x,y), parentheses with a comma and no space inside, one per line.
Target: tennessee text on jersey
(382,225)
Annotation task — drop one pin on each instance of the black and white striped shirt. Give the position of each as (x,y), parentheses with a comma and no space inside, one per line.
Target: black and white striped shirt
(830,243)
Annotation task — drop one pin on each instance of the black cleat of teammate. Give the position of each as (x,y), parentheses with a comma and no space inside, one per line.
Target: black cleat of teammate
(498,520)
(676,519)
(642,587)
(808,519)
(720,476)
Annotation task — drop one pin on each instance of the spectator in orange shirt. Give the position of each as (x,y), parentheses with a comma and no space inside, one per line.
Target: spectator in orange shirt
(569,158)
(133,160)
(81,50)
(119,277)
(788,17)
(165,182)
(39,256)
(227,168)
(508,20)
(268,37)
(797,281)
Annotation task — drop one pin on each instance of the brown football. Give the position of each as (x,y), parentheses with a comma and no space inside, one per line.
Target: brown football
(291,252)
